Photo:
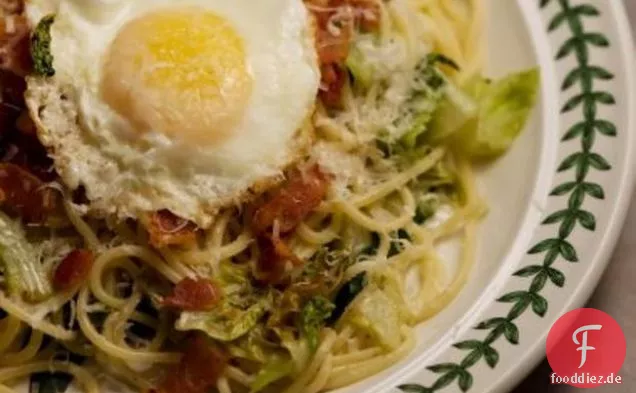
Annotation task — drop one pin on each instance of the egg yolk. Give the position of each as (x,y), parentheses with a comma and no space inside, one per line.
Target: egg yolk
(181,72)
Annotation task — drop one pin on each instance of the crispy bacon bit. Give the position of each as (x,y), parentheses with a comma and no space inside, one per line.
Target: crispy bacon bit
(15,44)
(198,371)
(194,295)
(73,270)
(275,256)
(291,204)
(336,21)
(166,229)
(26,195)
(366,14)
(11,7)
(334,79)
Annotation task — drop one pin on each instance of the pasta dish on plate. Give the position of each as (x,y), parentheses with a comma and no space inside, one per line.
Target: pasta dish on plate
(238,196)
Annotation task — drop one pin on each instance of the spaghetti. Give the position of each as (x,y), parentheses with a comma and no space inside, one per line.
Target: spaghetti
(364,228)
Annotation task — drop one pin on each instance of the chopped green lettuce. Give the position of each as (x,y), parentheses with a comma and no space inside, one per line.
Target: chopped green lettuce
(504,108)
(312,318)
(455,110)
(41,47)
(226,322)
(377,313)
(23,271)
(360,69)
(298,349)
(276,368)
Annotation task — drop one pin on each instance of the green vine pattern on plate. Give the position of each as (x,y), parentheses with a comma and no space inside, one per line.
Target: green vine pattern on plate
(580,164)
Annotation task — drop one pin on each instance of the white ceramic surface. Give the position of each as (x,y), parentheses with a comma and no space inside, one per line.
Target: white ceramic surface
(558,200)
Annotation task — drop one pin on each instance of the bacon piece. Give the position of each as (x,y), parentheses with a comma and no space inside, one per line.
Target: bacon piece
(334,78)
(275,256)
(336,21)
(167,229)
(11,7)
(194,295)
(367,14)
(301,194)
(199,369)
(15,41)
(73,270)
(332,43)
(26,195)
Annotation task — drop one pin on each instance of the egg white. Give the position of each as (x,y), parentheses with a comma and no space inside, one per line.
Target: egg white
(128,175)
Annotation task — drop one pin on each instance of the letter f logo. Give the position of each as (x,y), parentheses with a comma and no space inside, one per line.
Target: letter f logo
(583,345)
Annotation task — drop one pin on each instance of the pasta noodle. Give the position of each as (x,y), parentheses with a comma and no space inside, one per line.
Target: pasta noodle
(115,299)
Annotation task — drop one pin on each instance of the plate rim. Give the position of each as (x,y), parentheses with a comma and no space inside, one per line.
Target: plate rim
(578,295)
(618,218)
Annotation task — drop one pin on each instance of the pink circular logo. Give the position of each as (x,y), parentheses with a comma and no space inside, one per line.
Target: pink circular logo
(586,348)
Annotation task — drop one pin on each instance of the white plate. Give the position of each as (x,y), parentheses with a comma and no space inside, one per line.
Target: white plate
(558,200)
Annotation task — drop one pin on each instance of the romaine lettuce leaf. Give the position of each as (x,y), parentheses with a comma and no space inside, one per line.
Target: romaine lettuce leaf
(276,368)
(377,313)
(504,108)
(312,318)
(226,323)
(23,271)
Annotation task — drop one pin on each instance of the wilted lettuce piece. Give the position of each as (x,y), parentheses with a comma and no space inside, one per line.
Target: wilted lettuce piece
(454,112)
(41,47)
(504,108)
(298,349)
(361,70)
(377,313)
(23,272)
(276,368)
(312,319)
(227,322)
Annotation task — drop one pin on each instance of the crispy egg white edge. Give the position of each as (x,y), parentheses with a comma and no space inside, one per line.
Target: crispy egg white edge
(57,119)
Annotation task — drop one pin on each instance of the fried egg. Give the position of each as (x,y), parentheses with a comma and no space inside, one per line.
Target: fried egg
(187,105)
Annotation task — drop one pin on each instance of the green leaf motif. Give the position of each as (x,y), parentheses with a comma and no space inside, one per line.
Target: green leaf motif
(539,282)
(588,101)
(564,188)
(567,226)
(469,344)
(491,323)
(575,131)
(528,271)
(539,304)
(595,39)
(511,332)
(567,251)
(599,162)
(465,381)
(556,276)
(414,388)
(544,245)
(571,160)
(491,356)
(594,190)
(472,359)
(445,380)
(585,9)
(587,220)
(605,127)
